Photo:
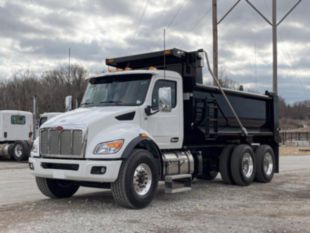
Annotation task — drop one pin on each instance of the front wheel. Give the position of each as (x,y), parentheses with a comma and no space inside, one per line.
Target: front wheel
(137,181)
(56,188)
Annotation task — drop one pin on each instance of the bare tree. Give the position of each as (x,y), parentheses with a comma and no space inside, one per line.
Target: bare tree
(50,88)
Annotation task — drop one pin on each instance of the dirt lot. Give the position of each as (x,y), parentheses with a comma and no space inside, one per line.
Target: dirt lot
(281,206)
(293,150)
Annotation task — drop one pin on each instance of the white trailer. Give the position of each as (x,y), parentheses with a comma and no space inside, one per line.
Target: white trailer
(15,134)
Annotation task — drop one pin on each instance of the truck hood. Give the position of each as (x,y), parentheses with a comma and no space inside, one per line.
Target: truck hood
(82,118)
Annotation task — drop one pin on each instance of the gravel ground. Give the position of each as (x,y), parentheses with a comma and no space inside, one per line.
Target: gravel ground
(280,206)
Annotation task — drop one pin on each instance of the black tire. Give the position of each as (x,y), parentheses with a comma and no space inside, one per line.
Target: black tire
(224,164)
(19,151)
(264,154)
(123,189)
(10,151)
(56,188)
(236,165)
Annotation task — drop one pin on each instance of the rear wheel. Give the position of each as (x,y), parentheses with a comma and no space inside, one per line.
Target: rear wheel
(224,165)
(265,164)
(56,188)
(19,151)
(243,165)
(137,181)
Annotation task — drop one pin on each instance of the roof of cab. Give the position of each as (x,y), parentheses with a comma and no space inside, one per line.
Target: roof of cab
(126,72)
(17,112)
(50,114)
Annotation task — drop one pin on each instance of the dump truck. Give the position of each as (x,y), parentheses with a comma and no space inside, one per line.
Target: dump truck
(15,134)
(153,120)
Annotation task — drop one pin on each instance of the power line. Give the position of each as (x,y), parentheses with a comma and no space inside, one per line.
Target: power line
(215,23)
(274,23)
(141,17)
(300,81)
(142,13)
(176,14)
(200,20)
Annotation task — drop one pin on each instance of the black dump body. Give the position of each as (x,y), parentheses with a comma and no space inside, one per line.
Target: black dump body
(208,120)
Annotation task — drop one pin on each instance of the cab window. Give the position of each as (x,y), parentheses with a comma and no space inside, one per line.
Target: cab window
(18,120)
(164,83)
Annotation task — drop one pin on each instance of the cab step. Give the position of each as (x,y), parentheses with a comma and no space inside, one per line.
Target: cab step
(178,183)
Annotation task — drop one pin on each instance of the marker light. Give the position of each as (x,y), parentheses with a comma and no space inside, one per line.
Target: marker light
(109,61)
(111,147)
(167,52)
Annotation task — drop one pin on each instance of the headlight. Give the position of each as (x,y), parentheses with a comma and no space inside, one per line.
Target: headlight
(35,147)
(111,147)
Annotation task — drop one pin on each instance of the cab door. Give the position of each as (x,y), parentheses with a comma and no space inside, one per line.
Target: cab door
(166,126)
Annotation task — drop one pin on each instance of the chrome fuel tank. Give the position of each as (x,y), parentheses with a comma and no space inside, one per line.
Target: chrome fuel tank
(178,162)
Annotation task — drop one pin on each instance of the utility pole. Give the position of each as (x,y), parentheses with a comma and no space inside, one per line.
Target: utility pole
(274,48)
(215,24)
(274,25)
(69,68)
(215,38)
(34,112)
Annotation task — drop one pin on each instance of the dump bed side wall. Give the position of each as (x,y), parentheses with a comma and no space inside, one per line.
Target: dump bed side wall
(254,111)
(251,111)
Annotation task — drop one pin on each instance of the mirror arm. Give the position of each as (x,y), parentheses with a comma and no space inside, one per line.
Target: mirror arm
(148,111)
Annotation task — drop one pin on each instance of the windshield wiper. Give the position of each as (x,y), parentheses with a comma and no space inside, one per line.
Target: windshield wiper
(87,103)
(111,102)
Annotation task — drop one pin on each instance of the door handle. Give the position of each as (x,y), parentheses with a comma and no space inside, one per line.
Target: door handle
(174,140)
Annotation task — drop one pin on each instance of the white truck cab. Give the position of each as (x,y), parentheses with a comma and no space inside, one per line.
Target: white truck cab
(15,134)
(136,127)
(111,117)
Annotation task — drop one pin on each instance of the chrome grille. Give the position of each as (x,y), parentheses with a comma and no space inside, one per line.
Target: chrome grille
(62,144)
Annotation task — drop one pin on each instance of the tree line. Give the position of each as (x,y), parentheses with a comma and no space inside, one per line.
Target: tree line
(50,89)
(295,115)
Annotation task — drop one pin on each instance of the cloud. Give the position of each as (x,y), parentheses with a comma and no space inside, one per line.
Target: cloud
(36,35)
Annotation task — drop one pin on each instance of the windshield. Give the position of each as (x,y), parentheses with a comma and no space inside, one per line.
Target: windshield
(116,90)
(42,120)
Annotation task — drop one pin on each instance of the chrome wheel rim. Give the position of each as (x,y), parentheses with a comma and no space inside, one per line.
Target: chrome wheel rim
(268,164)
(142,179)
(247,165)
(18,150)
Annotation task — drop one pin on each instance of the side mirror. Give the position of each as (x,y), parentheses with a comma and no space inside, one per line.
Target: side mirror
(165,99)
(68,103)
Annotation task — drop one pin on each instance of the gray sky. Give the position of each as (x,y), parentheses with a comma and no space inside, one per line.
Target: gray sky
(36,35)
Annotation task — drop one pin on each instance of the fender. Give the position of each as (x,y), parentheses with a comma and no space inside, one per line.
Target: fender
(145,143)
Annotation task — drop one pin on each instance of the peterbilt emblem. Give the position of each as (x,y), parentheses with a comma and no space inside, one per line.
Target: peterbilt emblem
(59,129)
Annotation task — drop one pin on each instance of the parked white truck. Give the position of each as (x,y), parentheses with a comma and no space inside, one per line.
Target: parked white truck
(15,134)
(137,127)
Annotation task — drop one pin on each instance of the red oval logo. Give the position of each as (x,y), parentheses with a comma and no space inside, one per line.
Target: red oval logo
(59,128)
